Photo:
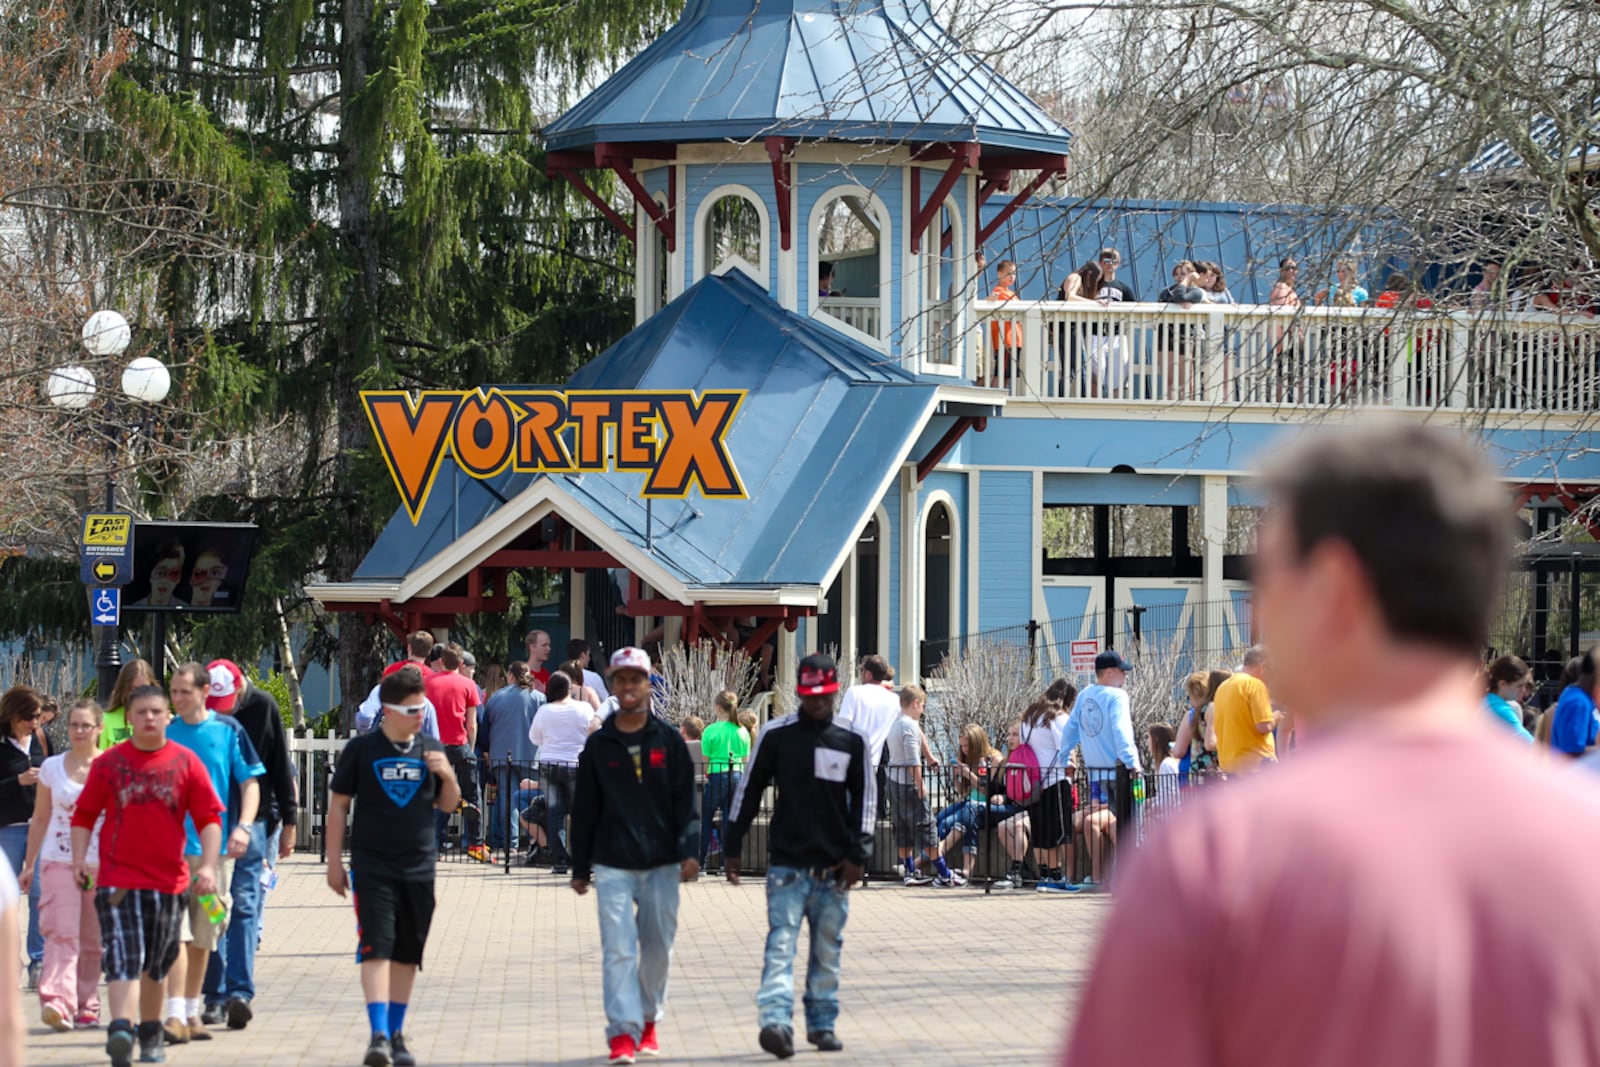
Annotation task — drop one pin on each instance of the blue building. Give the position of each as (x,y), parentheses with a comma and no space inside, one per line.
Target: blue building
(813,182)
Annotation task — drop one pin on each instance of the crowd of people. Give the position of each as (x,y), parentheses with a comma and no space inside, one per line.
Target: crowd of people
(146,841)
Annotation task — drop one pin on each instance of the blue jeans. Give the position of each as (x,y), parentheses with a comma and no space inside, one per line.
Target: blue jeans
(819,898)
(232,970)
(14,843)
(638,921)
(560,781)
(968,816)
(718,793)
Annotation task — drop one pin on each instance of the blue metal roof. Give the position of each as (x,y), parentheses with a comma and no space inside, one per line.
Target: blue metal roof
(1551,138)
(841,70)
(824,426)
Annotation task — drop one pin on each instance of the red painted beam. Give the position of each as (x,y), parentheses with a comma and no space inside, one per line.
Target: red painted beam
(779,150)
(551,558)
(965,156)
(1017,201)
(660,216)
(947,442)
(579,183)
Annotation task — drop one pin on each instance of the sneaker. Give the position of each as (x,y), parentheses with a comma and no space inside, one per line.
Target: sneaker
(480,853)
(955,878)
(33,974)
(915,877)
(825,1040)
(648,1045)
(119,1043)
(559,870)
(622,1049)
(402,1056)
(213,1015)
(238,1012)
(151,1044)
(197,1029)
(778,1040)
(86,1020)
(51,1016)
(175,1031)
(377,1052)
(1051,885)
(1007,883)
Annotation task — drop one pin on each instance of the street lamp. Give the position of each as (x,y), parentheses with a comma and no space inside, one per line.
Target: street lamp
(72,388)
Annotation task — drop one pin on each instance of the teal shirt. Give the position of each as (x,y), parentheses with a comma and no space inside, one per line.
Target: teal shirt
(229,758)
(1501,709)
(725,747)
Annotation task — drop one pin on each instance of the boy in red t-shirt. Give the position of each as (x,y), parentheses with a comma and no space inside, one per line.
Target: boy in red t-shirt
(455,701)
(145,786)
(1005,335)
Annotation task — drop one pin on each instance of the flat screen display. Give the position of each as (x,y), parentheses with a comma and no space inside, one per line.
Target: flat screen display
(189,566)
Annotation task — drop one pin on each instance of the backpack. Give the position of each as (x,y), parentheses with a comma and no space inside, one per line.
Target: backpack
(1022,774)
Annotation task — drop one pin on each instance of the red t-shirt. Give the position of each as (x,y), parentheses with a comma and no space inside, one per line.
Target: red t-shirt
(145,796)
(452,695)
(423,667)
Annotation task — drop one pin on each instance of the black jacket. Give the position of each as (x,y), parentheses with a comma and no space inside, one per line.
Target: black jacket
(633,819)
(16,799)
(258,713)
(825,809)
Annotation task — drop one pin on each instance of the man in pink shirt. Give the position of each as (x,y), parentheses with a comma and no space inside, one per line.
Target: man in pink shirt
(1415,889)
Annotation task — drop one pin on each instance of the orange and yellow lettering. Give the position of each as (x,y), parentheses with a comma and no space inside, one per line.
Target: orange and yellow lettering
(636,448)
(591,417)
(485,431)
(412,435)
(539,445)
(695,448)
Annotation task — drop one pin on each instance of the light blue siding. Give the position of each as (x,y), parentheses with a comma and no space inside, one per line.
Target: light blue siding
(1006,570)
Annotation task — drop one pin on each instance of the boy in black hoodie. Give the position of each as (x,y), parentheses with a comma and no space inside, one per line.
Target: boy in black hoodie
(635,833)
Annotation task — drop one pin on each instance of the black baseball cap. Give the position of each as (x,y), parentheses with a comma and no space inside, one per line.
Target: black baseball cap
(1111,658)
(818,676)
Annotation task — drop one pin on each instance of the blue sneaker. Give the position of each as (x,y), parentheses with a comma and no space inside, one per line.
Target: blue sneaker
(1061,885)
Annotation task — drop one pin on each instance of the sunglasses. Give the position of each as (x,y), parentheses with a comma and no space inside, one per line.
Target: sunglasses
(405,709)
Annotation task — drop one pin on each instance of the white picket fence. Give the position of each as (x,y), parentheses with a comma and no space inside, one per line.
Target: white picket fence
(1307,357)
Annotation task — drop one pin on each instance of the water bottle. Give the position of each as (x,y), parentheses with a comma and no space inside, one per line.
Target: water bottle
(215,911)
(1138,788)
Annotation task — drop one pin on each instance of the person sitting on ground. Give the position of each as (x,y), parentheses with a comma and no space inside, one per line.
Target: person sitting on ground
(1012,822)
(1506,680)
(977,773)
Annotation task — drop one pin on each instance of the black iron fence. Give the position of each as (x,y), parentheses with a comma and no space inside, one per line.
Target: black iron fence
(975,819)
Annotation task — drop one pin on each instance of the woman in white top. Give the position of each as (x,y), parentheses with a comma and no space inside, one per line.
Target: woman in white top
(560,728)
(69,981)
(1051,811)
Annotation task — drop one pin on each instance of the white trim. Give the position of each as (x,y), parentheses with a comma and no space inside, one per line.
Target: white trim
(910,555)
(850,591)
(974,554)
(677,259)
(1036,553)
(934,498)
(702,265)
(930,258)
(885,263)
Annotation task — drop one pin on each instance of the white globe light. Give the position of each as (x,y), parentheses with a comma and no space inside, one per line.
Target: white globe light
(147,379)
(70,387)
(106,334)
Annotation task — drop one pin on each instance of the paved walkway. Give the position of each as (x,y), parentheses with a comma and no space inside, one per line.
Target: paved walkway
(946,976)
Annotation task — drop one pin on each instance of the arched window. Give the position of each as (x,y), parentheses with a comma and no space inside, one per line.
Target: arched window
(856,620)
(850,261)
(731,229)
(943,279)
(941,568)
(654,266)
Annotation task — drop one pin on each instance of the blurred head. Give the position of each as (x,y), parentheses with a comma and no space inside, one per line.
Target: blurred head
(1006,271)
(913,701)
(19,711)
(190,684)
(874,670)
(1255,661)
(538,648)
(1381,539)
(419,644)
(574,672)
(974,744)
(207,576)
(1063,693)
(134,673)
(693,727)
(148,715)
(559,687)
(1196,687)
(726,705)
(1108,263)
(1014,735)
(403,698)
(1508,677)
(84,720)
(1161,738)
(579,649)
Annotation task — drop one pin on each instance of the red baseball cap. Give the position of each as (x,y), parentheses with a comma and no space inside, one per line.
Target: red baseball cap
(819,676)
(226,683)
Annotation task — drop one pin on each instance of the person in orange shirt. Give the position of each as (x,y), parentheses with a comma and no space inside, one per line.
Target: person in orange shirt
(1244,717)
(1005,335)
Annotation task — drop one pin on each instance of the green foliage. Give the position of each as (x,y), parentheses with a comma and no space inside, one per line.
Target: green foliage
(275,686)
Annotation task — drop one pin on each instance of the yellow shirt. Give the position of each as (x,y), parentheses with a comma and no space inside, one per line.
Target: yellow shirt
(1241,703)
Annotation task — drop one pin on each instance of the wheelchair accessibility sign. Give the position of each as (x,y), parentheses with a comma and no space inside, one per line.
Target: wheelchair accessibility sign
(105,606)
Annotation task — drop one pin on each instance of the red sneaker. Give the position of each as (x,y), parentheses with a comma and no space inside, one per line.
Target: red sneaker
(647,1041)
(622,1049)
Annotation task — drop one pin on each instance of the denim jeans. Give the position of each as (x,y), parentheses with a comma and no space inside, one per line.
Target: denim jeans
(966,814)
(718,793)
(825,905)
(14,843)
(559,781)
(638,921)
(232,969)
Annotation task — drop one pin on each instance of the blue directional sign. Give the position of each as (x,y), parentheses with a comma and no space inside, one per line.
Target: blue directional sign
(105,606)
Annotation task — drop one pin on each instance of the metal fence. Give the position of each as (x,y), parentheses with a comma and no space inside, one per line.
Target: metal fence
(982,835)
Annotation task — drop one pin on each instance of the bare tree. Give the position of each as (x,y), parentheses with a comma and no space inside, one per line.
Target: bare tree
(988,683)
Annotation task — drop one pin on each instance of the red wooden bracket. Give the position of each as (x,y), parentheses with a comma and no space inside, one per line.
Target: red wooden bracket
(622,225)
(994,224)
(779,150)
(947,442)
(963,156)
(608,156)
(993,182)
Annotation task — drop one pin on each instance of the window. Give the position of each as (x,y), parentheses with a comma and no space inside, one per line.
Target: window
(850,243)
(942,283)
(654,265)
(732,230)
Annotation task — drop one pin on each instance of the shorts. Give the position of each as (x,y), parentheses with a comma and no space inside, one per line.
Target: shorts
(1050,815)
(536,812)
(392,917)
(197,925)
(139,931)
(913,823)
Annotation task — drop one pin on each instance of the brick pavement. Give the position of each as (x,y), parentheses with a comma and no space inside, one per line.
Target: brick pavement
(940,975)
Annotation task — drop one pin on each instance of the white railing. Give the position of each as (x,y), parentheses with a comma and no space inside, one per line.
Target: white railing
(861,313)
(1306,357)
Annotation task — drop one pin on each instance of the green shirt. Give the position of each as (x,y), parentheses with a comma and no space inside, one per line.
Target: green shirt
(114,728)
(725,747)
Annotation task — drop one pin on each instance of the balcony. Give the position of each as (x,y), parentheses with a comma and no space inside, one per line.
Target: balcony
(1253,356)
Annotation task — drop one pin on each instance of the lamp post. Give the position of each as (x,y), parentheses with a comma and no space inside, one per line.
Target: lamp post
(145,380)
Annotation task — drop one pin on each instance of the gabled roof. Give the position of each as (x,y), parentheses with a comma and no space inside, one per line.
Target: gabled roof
(1553,138)
(840,70)
(820,436)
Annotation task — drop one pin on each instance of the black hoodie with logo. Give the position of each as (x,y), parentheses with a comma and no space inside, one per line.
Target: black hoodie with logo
(635,806)
(825,809)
